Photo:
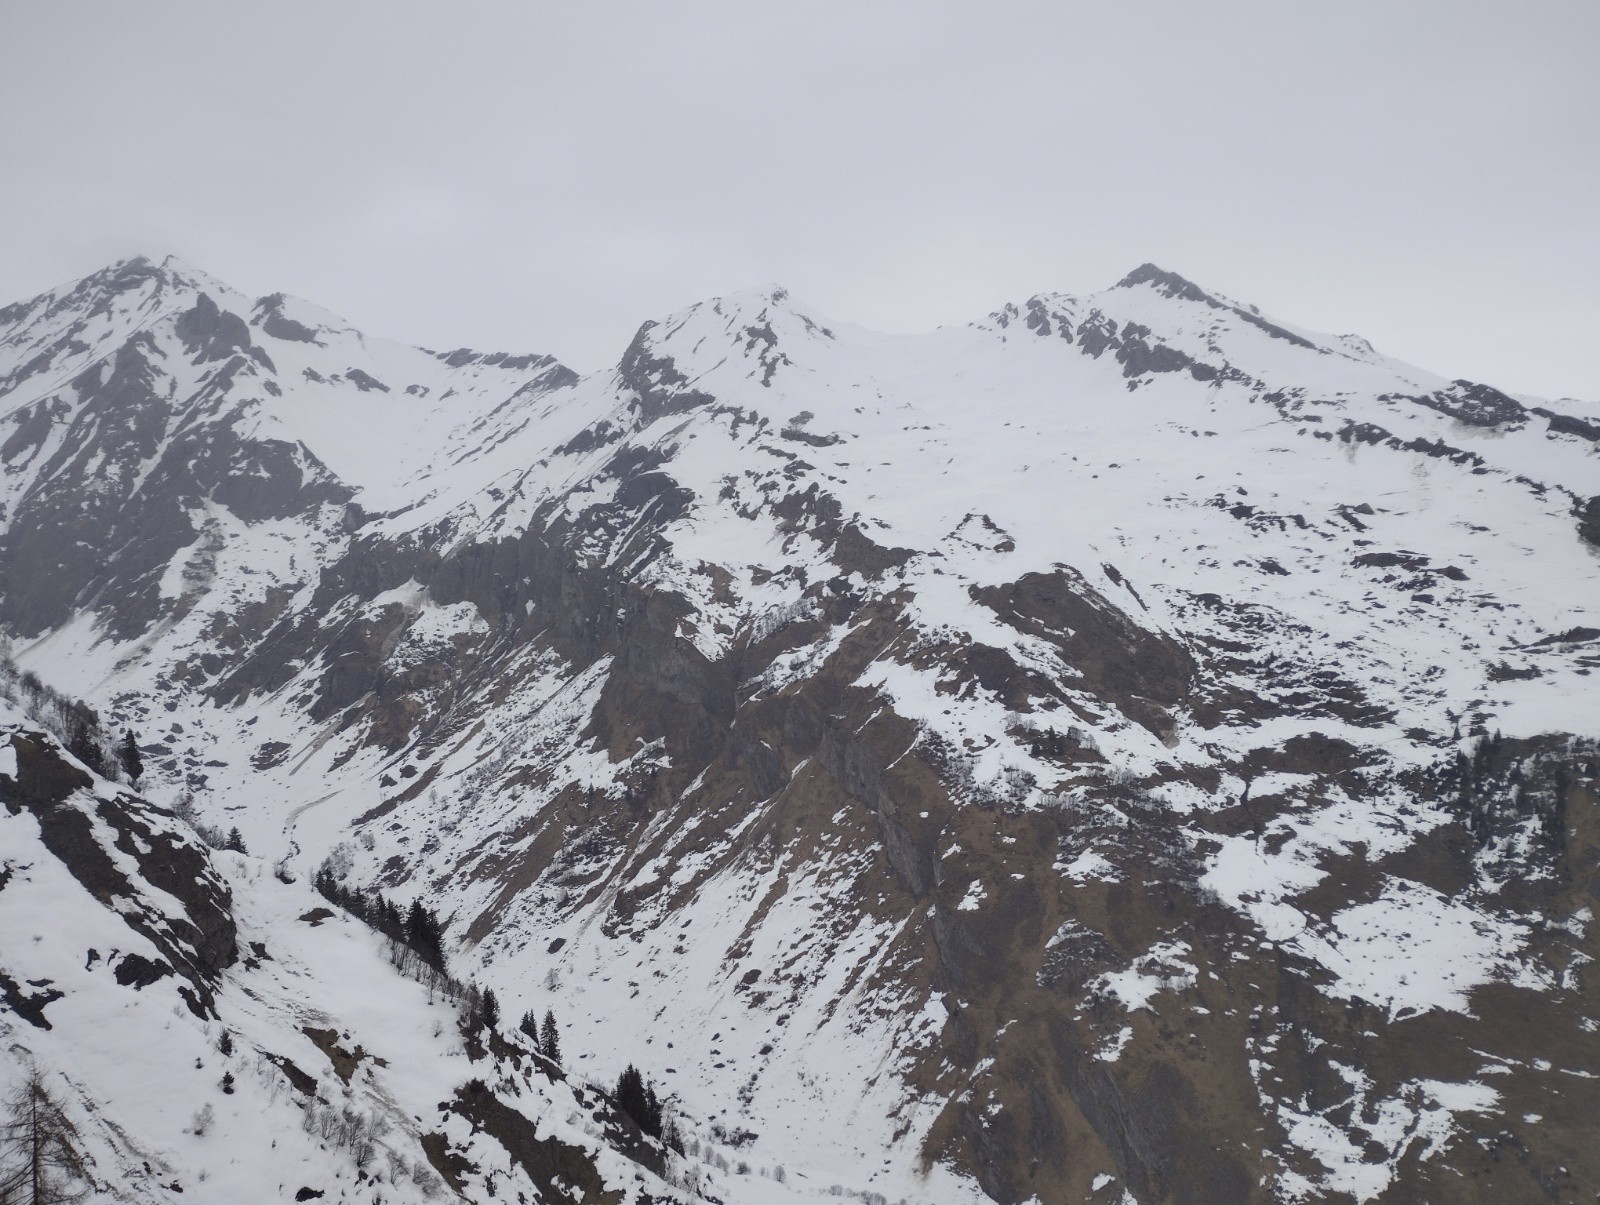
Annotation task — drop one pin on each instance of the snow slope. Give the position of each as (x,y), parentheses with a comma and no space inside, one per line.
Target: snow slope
(241,1094)
(869,713)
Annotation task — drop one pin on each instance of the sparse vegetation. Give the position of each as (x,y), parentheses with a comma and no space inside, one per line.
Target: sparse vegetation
(346,1128)
(40,1163)
(213,836)
(72,722)
(416,936)
(204,1118)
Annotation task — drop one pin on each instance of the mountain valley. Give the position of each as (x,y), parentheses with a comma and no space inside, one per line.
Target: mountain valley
(1125,749)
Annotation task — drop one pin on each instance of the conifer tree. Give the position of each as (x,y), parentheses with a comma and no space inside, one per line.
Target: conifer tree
(85,745)
(425,935)
(630,1092)
(490,1010)
(639,1101)
(39,1159)
(551,1049)
(128,755)
(416,924)
(652,1111)
(529,1025)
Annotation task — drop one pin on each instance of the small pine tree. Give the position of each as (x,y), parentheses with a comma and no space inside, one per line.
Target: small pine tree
(425,935)
(652,1111)
(128,755)
(630,1093)
(490,1010)
(416,926)
(227,1083)
(85,745)
(638,1100)
(529,1025)
(225,1043)
(234,841)
(551,1049)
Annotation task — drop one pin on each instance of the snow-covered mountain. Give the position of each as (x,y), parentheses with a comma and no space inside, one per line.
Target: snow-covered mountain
(1128,747)
(212,1033)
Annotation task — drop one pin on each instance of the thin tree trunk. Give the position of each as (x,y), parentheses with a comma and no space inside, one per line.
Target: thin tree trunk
(37,1147)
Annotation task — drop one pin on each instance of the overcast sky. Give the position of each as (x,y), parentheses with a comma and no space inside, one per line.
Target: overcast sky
(545,177)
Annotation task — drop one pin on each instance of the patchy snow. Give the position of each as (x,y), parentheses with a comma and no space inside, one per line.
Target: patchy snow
(1089,865)
(1413,950)
(1163,968)
(1252,510)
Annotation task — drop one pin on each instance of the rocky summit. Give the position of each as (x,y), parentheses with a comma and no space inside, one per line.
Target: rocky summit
(1125,749)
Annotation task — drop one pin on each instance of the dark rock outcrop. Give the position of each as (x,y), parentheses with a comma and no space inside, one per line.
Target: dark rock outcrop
(1589,521)
(73,820)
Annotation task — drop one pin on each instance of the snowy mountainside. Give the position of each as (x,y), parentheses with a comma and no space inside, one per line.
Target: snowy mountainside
(215,1034)
(1053,757)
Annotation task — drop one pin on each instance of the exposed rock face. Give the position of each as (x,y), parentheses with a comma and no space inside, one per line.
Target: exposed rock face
(210,334)
(120,848)
(314,1056)
(566,1173)
(1141,672)
(1589,521)
(1032,748)
(126,474)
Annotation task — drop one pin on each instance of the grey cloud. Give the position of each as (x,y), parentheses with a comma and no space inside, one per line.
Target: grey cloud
(546,177)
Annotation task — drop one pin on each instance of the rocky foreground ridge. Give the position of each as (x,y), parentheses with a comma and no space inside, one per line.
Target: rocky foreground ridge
(1126,748)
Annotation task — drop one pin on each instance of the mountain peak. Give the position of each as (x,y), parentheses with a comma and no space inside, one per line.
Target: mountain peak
(130,285)
(1168,283)
(144,272)
(144,266)
(759,326)
(125,274)
(764,314)
(752,301)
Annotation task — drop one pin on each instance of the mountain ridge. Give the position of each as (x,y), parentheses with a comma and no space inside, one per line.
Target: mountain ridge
(1116,679)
